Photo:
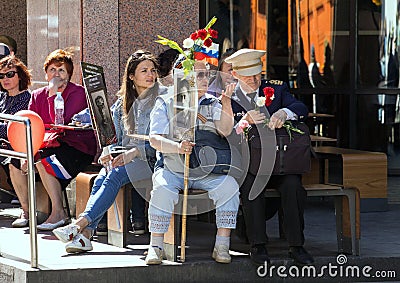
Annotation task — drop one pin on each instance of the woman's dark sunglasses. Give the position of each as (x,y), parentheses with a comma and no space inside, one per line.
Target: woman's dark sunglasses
(9,75)
(202,75)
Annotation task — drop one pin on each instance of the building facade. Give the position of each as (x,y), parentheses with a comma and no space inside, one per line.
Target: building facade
(339,56)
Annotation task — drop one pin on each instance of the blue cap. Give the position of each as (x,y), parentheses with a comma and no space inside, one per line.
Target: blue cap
(4,50)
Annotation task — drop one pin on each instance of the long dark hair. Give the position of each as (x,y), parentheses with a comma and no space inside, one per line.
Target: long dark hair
(128,91)
(226,54)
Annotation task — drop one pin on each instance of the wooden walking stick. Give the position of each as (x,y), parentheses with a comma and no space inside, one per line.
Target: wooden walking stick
(184,205)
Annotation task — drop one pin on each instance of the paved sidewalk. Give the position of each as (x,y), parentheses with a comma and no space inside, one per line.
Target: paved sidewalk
(380,249)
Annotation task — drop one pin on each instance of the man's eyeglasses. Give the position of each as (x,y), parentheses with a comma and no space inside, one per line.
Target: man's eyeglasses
(202,75)
(9,75)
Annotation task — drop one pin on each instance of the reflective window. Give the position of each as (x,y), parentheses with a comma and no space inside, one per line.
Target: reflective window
(319,43)
(378,29)
(341,58)
(240,24)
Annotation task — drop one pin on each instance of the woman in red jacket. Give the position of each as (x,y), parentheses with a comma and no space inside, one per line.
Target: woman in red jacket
(76,149)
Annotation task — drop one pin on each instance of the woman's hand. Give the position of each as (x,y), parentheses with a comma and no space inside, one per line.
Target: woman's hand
(24,166)
(55,84)
(185,147)
(105,159)
(124,158)
(254,117)
(227,93)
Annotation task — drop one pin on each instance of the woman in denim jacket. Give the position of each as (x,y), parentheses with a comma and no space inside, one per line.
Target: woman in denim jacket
(137,96)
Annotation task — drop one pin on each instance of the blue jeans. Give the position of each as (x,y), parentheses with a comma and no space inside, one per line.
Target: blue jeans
(107,185)
(223,190)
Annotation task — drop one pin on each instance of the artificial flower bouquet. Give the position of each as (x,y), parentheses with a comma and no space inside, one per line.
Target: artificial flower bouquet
(193,45)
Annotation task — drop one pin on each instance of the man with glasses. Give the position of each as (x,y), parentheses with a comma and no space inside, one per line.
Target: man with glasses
(282,106)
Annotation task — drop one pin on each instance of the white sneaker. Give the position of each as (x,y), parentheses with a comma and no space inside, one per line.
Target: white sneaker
(221,254)
(66,233)
(79,244)
(154,256)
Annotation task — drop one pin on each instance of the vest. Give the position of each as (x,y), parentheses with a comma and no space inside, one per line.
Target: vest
(174,161)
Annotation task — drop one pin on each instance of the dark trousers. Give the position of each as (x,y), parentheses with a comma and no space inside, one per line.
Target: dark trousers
(293,197)
(138,207)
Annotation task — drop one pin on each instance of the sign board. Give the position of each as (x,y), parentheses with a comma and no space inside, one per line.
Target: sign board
(96,92)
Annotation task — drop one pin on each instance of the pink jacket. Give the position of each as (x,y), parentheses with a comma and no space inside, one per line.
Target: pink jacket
(74,101)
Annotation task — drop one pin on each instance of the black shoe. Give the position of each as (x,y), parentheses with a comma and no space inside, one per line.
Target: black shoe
(300,256)
(138,228)
(259,254)
(102,229)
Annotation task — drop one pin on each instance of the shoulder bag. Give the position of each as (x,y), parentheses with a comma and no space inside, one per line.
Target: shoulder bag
(213,153)
(293,152)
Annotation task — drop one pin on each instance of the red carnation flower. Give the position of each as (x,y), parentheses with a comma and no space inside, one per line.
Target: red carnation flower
(269,95)
(213,33)
(202,34)
(208,42)
(194,36)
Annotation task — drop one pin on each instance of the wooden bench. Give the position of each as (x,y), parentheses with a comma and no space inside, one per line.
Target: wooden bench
(365,170)
(346,210)
(117,214)
(346,206)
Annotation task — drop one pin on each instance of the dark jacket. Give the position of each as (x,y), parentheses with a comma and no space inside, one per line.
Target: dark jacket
(261,140)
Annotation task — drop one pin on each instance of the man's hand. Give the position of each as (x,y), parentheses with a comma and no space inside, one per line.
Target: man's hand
(254,117)
(277,119)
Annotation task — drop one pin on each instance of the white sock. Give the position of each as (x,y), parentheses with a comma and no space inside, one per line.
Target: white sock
(157,241)
(222,240)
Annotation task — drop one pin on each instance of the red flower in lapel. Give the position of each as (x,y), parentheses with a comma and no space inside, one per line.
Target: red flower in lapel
(269,95)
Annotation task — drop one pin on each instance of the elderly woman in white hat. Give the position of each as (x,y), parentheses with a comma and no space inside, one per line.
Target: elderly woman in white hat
(280,106)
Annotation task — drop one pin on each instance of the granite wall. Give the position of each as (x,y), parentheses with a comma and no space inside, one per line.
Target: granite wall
(13,23)
(103,32)
(52,25)
(113,30)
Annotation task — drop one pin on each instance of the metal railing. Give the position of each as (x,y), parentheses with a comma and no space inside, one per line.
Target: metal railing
(31,180)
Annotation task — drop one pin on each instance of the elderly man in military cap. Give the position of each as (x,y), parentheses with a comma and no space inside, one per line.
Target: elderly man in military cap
(280,106)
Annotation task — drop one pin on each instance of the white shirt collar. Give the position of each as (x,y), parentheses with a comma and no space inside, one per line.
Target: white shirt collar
(245,94)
